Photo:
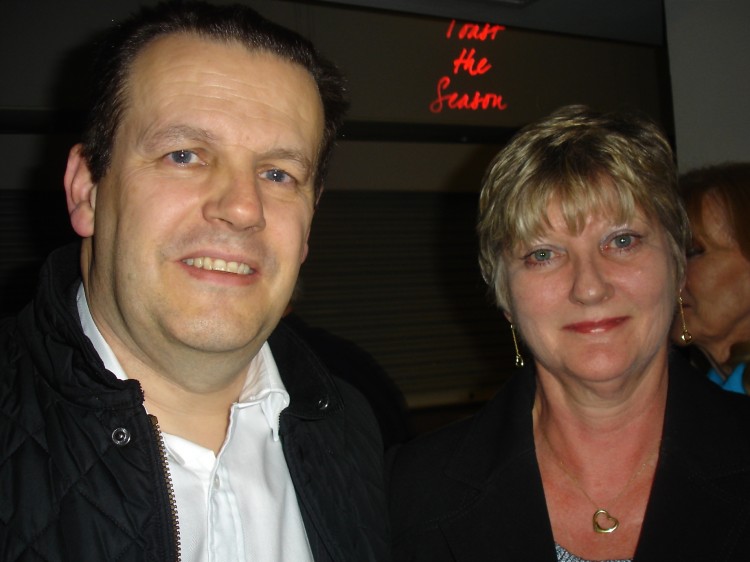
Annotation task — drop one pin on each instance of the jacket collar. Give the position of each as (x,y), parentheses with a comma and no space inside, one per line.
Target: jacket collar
(63,355)
(311,388)
(501,434)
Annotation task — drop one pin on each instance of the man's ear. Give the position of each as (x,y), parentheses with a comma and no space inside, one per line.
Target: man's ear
(80,193)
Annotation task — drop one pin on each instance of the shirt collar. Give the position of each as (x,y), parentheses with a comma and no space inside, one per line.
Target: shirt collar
(92,332)
(263,384)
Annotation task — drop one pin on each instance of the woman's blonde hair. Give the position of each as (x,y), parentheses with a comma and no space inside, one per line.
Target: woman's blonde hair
(588,162)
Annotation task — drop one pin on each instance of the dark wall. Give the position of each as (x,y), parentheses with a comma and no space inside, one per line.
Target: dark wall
(393,254)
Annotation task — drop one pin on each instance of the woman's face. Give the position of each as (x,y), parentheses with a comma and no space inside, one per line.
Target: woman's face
(716,296)
(595,306)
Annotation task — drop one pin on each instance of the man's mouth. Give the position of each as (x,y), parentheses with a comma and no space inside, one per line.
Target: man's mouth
(217,264)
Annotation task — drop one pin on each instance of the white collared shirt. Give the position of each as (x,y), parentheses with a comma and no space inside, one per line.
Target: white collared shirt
(240,504)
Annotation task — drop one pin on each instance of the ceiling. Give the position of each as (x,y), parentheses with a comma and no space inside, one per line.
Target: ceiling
(636,21)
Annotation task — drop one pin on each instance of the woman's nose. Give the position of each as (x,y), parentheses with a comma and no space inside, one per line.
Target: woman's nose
(590,283)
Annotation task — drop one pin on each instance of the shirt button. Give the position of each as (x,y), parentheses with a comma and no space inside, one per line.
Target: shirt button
(120,436)
(323,404)
(217,482)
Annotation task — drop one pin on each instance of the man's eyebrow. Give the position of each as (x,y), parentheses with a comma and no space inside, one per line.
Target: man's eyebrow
(176,134)
(294,155)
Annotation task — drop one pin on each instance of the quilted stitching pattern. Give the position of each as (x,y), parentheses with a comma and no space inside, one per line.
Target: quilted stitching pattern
(68,492)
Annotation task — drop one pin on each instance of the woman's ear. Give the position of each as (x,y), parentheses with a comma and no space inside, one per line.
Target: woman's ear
(80,193)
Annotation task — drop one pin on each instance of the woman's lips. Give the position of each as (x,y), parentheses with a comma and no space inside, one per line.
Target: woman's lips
(596,326)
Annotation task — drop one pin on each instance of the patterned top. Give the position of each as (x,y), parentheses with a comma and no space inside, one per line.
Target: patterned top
(565,556)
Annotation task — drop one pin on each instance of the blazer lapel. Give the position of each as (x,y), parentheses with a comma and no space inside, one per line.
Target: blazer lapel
(698,508)
(509,519)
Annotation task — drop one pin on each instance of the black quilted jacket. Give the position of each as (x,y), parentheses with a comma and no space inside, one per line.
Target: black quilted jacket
(82,473)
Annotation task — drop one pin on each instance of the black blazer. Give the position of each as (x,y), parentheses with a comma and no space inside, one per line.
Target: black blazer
(473,492)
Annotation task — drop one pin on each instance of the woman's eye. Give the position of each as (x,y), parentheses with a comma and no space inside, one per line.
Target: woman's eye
(539,256)
(182,157)
(694,250)
(623,241)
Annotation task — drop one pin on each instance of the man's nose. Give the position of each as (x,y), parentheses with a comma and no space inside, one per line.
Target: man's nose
(236,202)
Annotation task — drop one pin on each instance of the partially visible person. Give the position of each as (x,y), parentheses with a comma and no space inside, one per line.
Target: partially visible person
(716,297)
(606,446)
(151,406)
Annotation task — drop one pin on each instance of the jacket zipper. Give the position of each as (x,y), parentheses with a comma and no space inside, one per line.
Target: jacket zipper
(170,487)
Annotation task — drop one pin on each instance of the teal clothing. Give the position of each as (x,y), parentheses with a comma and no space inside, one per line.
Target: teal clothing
(733,382)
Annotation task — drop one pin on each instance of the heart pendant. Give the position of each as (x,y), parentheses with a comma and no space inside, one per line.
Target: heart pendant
(604,516)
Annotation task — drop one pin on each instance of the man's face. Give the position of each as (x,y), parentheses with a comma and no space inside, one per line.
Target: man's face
(202,220)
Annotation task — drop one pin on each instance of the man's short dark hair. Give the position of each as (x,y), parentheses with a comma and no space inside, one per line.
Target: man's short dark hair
(234,23)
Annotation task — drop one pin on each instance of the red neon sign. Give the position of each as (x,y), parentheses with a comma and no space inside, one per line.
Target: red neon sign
(468,62)
(455,100)
(474,31)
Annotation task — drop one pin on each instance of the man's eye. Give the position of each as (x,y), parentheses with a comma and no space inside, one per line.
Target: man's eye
(694,250)
(278,176)
(182,157)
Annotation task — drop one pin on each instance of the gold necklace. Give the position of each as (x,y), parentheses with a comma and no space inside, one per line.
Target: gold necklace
(601,516)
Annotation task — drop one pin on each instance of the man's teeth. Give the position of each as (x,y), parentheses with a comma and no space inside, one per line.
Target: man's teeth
(216,264)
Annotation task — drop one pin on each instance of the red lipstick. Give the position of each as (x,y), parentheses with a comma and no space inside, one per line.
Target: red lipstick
(597,326)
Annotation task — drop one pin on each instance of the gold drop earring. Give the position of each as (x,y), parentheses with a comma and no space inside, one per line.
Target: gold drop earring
(519,357)
(685,336)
